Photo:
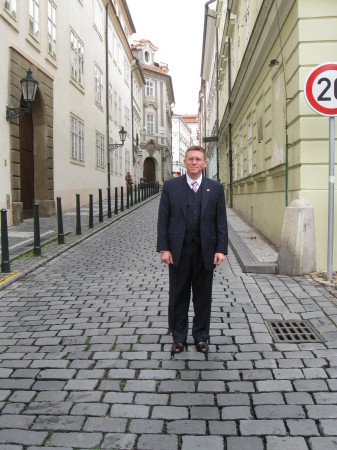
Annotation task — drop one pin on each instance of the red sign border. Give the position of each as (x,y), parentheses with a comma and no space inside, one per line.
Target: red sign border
(308,89)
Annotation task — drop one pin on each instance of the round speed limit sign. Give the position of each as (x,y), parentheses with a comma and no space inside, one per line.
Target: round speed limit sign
(320,89)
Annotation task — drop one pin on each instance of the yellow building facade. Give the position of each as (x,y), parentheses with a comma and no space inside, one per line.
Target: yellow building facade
(273,148)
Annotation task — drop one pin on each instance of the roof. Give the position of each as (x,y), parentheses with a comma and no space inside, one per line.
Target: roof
(155,69)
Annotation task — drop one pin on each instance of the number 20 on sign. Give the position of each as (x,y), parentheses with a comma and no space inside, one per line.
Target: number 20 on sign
(320,89)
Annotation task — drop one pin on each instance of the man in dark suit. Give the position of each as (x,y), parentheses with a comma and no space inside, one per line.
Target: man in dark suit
(192,239)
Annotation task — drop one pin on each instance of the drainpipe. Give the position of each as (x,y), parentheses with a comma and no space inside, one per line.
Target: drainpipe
(107,88)
(217,104)
(230,125)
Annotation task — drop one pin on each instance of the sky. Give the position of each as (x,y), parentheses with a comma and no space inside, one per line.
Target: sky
(176,28)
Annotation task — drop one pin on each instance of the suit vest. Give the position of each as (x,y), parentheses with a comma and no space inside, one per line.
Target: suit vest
(193,215)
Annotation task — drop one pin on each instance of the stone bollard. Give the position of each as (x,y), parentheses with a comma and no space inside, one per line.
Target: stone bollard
(297,254)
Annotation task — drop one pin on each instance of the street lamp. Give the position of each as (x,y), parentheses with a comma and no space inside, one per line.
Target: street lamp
(28,88)
(122,136)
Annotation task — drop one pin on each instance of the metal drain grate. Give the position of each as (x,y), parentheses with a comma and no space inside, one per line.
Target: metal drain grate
(293,331)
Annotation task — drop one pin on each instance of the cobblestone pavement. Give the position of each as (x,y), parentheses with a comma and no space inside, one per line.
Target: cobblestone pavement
(85,356)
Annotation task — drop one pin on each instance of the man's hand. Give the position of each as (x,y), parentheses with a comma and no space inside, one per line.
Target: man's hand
(219,258)
(166,257)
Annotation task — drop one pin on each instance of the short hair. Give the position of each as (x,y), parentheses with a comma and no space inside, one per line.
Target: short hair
(197,148)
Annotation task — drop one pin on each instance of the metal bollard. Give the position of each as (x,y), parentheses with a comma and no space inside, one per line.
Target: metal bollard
(78,215)
(142,191)
(60,235)
(122,199)
(138,193)
(135,194)
(109,203)
(100,204)
(116,200)
(127,197)
(91,211)
(37,242)
(131,195)
(5,264)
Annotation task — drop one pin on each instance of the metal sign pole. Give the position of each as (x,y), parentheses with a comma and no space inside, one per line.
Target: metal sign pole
(331,194)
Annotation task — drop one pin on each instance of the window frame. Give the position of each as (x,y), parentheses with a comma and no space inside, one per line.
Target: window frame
(77,138)
(34,19)
(77,59)
(100,150)
(9,9)
(52,23)
(99,88)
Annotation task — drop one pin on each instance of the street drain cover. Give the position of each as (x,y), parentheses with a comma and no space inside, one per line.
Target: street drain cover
(293,331)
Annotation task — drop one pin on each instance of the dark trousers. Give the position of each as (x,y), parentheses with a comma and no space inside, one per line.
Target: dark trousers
(189,276)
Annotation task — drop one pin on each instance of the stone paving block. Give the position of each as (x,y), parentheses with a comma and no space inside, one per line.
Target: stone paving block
(16,421)
(310,385)
(59,374)
(322,411)
(58,423)
(241,386)
(279,412)
(85,396)
(286,443)
(205,412)
(22,396)
(157,442)
(143,426)
(130,411)
(233,399)
(48,408)
(322,443)
(183,427)
(262,427)
(274,386)
(303,427)
(119,441)
(176,386)
(169,412)
(192,399)
(202,442)
(140,386)
(298,398)
(90,409)
(24,437)
(240,443)
(80,440)
(236,412)
(105,425)
(80,385)
(227,428)
(211,386)
(328,427)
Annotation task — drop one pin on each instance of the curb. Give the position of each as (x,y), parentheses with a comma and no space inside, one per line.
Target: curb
(247,260)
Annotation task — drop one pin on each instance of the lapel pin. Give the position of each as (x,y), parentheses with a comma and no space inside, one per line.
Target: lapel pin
(208,190)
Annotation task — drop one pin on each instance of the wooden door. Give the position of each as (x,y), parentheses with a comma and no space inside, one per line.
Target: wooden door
(149,171)
(27,164)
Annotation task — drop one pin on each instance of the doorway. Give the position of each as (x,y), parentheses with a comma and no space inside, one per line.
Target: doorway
(149,171)
(27,164)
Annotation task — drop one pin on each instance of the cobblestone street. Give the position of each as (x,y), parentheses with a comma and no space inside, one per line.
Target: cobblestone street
(85,356)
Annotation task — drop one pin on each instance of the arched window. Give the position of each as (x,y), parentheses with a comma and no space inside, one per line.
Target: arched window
(147,56)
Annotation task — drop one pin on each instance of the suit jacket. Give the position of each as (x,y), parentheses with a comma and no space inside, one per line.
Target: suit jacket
(172,219)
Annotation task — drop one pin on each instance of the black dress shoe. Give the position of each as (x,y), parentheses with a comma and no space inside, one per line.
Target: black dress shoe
(202,347)
(177,347)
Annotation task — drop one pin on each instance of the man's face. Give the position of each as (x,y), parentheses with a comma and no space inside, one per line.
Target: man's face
(195,163)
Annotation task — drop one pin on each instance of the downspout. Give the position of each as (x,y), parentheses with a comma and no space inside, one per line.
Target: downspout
(230,149)
(107,88)
(217,105)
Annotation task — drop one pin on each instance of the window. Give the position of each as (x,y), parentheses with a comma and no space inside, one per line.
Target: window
(110,40)
(119,57)
(98,17)
(241,156)
(147,57)
(250,148)
(115,105)
(76,51)
(120,156)
(115,49)
(149,123)
(127,120)
(127,161)
(51,29)
(77,139)
(34,19)
(120,110)
(149,88)
(10,6)
(126,71)
(98,86)
(110,100)
(111,157)
(99,150)
(235,162)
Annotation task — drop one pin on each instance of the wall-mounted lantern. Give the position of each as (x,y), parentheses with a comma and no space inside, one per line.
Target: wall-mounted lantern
(28,89)
(122,136)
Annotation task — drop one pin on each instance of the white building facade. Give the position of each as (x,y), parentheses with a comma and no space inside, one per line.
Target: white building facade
(80,55)
(181,140)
